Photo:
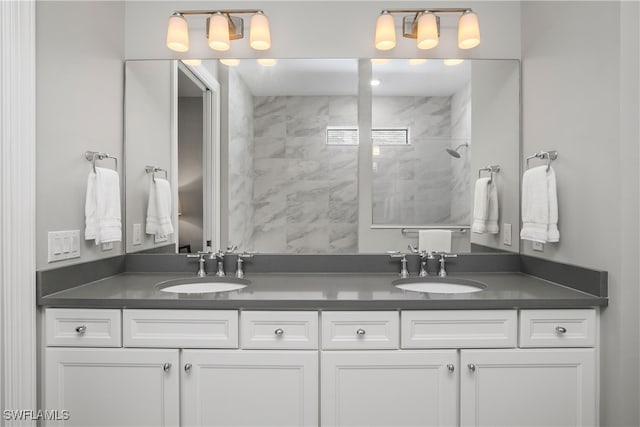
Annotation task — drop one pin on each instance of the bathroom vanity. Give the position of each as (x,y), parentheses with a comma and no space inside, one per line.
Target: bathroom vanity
(326,349)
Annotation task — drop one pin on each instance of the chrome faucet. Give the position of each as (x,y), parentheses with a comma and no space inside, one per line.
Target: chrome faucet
(404,272)
(201,261)
(424,258)
(220,258)
(242,258)
(443,260)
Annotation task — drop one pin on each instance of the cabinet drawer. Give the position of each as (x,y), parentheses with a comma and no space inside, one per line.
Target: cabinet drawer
(558,328)
(279,329)
(180,328)
(459,329)
(360,330)
(83,328)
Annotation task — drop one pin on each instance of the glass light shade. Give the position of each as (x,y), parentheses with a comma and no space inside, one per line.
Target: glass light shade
(192,61)
(385,32)
(452,62)
(219,32)
(376,150)
(468,30)
(230,62)
(417,61)
(267,62)
(379,61)
(375,82)
(178,33)
(427,31)
(259,33)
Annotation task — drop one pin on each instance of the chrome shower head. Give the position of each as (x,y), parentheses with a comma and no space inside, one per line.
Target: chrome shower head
(455,153)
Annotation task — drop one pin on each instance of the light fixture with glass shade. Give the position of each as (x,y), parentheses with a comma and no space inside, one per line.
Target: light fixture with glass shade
(424,26)
(267,62)
(222,27)
(229,62)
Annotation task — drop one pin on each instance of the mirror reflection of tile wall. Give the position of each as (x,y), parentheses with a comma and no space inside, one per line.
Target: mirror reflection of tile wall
(293,193)
(418,183)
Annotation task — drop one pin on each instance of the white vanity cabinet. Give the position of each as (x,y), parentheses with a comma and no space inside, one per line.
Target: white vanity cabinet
(113,386)
(330,368)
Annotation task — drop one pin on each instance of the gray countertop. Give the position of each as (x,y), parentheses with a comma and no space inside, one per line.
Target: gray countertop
(335,291)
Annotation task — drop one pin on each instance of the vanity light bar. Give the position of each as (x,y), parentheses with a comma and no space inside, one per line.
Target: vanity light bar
(222,27)
(424,26)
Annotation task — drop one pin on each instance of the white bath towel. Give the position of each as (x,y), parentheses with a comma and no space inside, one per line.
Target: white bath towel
(485,207)
(434,240)
(102,207)
(159,208)
(539,206)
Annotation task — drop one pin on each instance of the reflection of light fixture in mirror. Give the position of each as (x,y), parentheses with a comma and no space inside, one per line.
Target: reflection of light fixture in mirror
(192,61)
(379,61)
(375,82)
(452,62)
(385,31)
(424,26)
(417,61)
(222,27)
(376,150)
(230,62)
(267,62)
(178,33)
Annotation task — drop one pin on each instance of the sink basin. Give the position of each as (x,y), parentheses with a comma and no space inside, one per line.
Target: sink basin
(202,285)
(439,285)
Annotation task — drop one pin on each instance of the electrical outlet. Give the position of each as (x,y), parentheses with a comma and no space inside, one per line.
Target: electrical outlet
(137,234)
(506,234)
(538,246)
(159,238)
(107,246)
(63,245)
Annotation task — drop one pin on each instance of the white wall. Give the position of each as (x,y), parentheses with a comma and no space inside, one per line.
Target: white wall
(79,98)
(580,97)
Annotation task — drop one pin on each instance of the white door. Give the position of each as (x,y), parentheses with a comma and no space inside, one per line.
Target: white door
(389,388)
(113,387)
(537,387)
(249,388)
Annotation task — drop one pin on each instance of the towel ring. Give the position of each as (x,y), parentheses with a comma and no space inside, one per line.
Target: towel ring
(153,170)
(92,156)
(493,169)
(548,155)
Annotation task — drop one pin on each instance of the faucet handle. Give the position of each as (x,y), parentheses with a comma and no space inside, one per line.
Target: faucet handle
(199,254)
(246,255)
(231,249)
(412,249)
(395,254)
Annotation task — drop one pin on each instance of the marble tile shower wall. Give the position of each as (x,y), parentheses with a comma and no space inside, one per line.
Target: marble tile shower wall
(241,181)
(412,184)
(460,168)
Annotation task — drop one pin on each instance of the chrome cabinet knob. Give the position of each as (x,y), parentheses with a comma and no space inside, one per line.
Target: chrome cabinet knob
(361,332)
(561,330)
(81,329)
(166,367)
(471,367)
(450,367)
(187,367)
(279,332)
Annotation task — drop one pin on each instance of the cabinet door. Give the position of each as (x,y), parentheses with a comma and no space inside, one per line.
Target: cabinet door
(537,387)
(389,388)
(113,387)
(249,388)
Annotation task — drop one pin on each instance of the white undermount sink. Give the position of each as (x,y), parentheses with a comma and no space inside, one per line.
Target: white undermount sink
(439,285)
(202,285)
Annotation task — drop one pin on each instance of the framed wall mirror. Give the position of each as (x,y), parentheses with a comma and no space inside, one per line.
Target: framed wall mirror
(288,175)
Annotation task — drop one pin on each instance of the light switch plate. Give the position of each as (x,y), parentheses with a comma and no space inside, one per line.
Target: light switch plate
(107,246)
(137,234)
(63,245)
(159,238)
(537,246)
(506,234)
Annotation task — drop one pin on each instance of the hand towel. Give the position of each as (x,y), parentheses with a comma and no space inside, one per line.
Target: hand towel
(539,206)
(434,240)
(102,207)
(485,207)
(159,208)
